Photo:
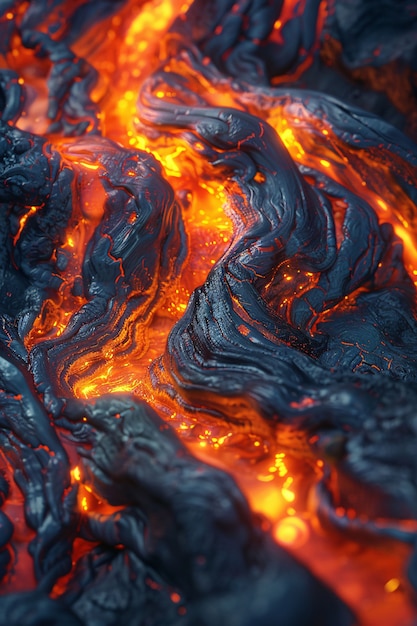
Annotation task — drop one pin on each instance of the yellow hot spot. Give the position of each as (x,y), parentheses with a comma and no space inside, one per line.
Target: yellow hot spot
(280,465)
(128,387)
(291,531)
(392,585)
(89,166)
(382,204)
(156,19)
(268,503)
(141,142)
(286,533)
(409,244)
(207,188)
(87,390)
(288,495)
(84,504)
(124,108)
(324,163)
(76,474)
(170,164)
(265,479)
(290,142)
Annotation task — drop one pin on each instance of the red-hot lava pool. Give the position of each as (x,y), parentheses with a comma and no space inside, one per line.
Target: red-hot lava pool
(208,339)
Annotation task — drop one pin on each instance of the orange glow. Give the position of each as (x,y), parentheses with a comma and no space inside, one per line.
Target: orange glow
(268,502)
(134,44)
(392,585)
(175,597)
(22,223)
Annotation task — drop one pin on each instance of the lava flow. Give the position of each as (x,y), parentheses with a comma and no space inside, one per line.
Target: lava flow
(208,339)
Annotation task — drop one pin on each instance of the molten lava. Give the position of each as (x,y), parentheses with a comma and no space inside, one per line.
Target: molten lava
(195,226)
